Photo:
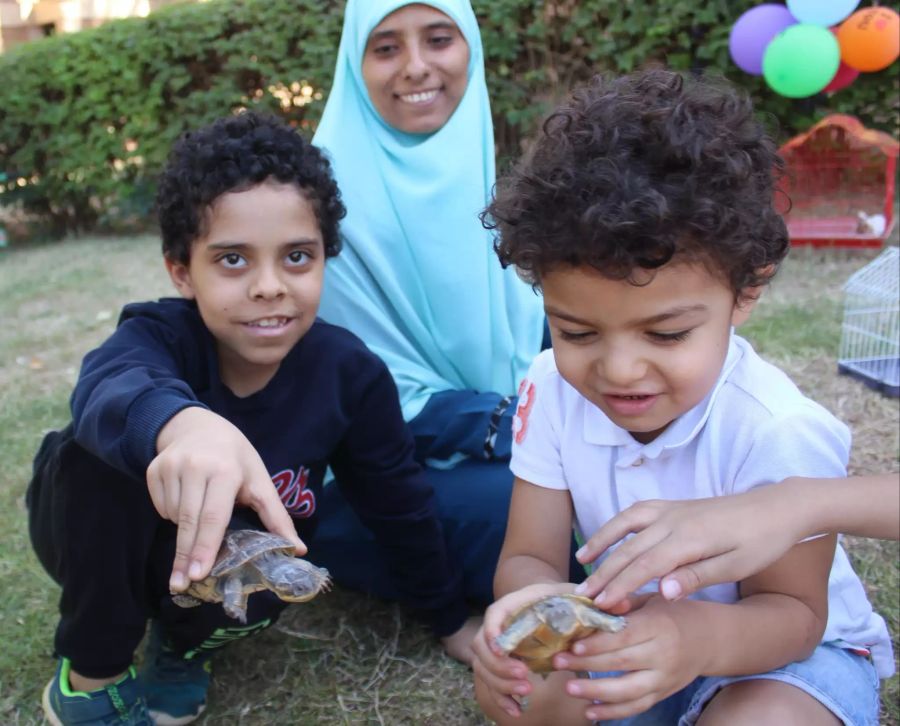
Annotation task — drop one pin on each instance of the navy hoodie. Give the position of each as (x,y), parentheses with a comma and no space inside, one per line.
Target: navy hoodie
(332,403)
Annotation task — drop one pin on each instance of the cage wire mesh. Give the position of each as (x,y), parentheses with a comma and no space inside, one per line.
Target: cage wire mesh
(870,333)
(840,180)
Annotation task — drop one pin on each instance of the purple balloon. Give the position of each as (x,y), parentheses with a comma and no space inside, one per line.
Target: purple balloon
(753,31)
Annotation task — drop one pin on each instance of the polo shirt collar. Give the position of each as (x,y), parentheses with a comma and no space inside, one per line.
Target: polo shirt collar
(600,431)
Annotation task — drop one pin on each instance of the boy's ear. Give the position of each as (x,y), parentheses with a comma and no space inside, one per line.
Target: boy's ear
(744,305)
(748,298)
(180,274)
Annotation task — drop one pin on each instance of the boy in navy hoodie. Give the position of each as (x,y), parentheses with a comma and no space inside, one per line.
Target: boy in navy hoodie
(129,503)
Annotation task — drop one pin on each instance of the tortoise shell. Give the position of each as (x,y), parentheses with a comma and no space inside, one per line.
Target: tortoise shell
(242,545)
(549,625)
(249,561)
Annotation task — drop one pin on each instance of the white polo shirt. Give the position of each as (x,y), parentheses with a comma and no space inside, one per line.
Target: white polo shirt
(755,427)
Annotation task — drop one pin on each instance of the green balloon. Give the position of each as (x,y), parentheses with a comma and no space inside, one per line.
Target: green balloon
(801,60)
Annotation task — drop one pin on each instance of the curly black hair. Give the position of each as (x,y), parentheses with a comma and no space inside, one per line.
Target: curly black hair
(636,170)
(233,154)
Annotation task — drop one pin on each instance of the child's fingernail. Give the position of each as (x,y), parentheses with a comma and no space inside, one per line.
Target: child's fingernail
(581,552)
(177,581)
(561,662)
(600,599)
(573,688)
(592,716)
(522,690)
(195,570)
(581,588)
(671,589)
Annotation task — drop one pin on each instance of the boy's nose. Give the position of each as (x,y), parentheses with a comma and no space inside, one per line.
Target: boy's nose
(622,367)
(267,284)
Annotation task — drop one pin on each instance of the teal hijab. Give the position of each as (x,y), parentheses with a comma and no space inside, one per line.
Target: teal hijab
(417,279)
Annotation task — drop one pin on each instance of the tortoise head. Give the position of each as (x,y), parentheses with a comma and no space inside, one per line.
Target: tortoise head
(558,613)
(295,580)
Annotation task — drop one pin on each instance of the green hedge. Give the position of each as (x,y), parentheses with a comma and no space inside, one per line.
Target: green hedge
(86,119)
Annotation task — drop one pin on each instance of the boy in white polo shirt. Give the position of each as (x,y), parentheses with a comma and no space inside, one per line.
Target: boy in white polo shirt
(645,215)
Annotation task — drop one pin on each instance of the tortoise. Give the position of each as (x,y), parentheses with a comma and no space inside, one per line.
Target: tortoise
(549,625)
(249,561)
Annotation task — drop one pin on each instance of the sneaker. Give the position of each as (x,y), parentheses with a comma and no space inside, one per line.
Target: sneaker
(121,703)
(175,686)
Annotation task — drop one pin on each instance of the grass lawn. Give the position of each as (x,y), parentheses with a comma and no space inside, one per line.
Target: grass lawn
(343,658)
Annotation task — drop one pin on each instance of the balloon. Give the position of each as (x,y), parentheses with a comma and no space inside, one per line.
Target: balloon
(870,39)
(844,77)
(752,33)
(821,12)
(801,60)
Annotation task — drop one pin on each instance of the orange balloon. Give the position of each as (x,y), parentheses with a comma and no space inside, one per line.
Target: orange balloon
(870,39)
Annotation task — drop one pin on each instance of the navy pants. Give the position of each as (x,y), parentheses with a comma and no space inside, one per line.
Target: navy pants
(97,534)
(472,502)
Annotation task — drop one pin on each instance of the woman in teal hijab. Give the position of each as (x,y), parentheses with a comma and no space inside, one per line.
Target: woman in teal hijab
(408,128)
(418,279)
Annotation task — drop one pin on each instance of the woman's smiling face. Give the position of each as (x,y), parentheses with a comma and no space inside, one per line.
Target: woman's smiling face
(415,67)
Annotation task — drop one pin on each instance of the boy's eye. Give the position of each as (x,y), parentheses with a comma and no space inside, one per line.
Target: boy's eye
(676,337)
(297,258)
(232,260)
(574,337)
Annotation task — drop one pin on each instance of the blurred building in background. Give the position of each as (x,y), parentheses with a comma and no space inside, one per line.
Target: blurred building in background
(25,20)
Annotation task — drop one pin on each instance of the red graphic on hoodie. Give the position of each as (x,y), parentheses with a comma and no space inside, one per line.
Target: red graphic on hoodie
(523,410)
(297,499)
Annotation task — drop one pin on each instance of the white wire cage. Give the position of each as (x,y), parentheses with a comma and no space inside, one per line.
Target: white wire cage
(870,334)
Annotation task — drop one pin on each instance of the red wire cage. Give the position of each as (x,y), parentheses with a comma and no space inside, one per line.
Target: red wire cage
(841,181)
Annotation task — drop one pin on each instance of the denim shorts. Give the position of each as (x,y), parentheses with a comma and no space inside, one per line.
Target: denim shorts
(842,681)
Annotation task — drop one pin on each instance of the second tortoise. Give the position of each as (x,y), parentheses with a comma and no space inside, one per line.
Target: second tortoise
(545,627)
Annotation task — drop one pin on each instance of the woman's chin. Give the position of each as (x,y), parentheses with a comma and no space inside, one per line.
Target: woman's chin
(421,122)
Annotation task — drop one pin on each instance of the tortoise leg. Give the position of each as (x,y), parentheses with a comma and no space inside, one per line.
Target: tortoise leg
(603,621)
(517,632)
(185,601)
(234,599)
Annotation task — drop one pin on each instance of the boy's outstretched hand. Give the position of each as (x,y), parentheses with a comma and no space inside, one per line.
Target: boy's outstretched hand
(204,465)
(689,544)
